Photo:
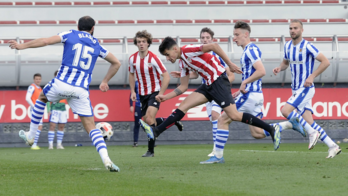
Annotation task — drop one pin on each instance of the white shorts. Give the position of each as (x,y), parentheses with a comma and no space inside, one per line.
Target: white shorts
(301,99)
(58,117)
(212,106)
(77,97)
(251,103)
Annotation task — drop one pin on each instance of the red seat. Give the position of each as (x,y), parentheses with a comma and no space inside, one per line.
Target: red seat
(235,2)
(222,21)
(178,3)
(106,22)
(159,2)
(43,3)
(183,21)
(203,21)
(101,3)
(82,3)
(216,2)
(120,3)
(164,21)
(145,21)
(23,3)
(197,2)
(125,22)
(140,3)
(260,21)
(254,2)
(62,3)
(28,22)
(67,22)
(47,22)
(317,20)
(273,2)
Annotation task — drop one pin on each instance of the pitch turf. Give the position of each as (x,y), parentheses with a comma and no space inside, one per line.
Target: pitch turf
(250,169)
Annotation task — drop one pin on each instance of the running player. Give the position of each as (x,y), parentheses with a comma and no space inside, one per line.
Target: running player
(217,86)
(33,93)
(137,114)
(81,51)
(300,55)
(213,109)
(58,115)
(249,97)
(148,68)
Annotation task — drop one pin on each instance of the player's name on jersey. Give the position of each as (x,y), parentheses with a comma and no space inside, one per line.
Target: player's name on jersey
(82,35)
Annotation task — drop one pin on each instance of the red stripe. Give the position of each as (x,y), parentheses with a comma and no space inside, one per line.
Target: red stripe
(135,55)
(170,126)
(195,49)
(152,76)
(142,75)
(160,65)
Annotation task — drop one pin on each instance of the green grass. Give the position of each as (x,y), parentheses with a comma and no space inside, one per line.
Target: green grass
(250,169)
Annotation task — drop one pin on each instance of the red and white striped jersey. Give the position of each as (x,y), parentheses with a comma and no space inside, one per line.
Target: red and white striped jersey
(148,72)
(205,64)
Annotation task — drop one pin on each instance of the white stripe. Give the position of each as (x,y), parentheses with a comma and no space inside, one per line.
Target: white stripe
(72,76)
(86,81)
(65,71)
(79,80)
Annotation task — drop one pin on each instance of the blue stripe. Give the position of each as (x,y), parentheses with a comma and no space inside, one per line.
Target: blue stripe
(101,148)
(35,117)
(216,105)
(294,66)
(42,104)
(97,137)
(289,46)
(221,141)
(253,54)
(223,136)
(37,112)
(93,132)
(300,98)
(60,133)
(290,115)
(323,138)
(313,124)
(99,142)
(307,63)
(222,132)
(239,104)
(316,127)
(218,146)
(35,122)
(214,122)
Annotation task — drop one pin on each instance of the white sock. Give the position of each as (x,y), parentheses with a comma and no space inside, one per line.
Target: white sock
(214,131)
(36,116)
(50,137)
(323,136)
(285,125)
(60,135)
(307,126)
(221,139)
(99,143)
(37,135)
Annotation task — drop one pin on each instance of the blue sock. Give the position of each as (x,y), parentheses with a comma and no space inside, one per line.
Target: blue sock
(306,126)
(99,143)
(323,136)
(221,139)
(36,116)
(37,135)
(60,135)
(50,137)
(214,129)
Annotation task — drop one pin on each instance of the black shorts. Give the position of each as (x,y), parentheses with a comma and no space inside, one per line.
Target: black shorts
(219,91)
(148,100)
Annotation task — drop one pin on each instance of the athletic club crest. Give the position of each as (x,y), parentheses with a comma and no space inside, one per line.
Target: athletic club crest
(189,59)
(149,65)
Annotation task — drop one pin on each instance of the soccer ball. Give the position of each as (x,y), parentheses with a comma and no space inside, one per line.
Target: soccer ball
(106,130)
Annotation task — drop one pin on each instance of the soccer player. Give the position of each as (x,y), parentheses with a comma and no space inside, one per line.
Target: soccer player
(148,68)
(213,109)
(81,51)
(217,87)
(137,114)
(33,93)
(58,115)
(300,55)
(249,97)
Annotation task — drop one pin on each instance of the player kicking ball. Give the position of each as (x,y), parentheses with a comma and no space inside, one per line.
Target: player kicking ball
(81,51)
(217,87)
(300,55)
(148,68)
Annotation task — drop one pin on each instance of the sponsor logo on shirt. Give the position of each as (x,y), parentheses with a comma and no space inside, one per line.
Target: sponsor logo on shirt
(296,62)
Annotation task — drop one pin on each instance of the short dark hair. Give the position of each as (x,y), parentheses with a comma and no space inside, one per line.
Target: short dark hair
(297,21)
(166,44)
(55,73)
(207,30)
(37,75)
(143,34)
(242,25)
(86,23)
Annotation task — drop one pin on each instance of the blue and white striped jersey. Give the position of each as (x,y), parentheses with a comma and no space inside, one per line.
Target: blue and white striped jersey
(81,51)
(301,60)
(221,61)
(251,55)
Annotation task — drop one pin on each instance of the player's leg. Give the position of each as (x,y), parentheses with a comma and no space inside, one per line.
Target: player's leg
(51,134)
(193,100)
(63,119)
(298,101)
(214,116)
(37,136)
(150,119)
(137,117)
(334,149)
(36,117)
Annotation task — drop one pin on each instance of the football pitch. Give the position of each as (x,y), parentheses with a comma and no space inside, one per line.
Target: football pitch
(250,169)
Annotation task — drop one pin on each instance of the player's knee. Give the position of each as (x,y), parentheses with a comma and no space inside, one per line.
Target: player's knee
(224,120)
(215,116)
(285,113)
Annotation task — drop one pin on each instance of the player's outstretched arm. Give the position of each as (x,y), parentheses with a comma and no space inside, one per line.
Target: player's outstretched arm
(218,50)
(37,43)
(324,64)
(115,65)
(165,82)
(283,66)
(176,92)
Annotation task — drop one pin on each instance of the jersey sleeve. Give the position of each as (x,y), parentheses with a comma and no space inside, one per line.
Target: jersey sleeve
(253,54)
(157,63)
(285,56)
(184,71)
(220,59)
(29,94)
(103,52)
(130,64)
(64,35)
(192,50)
(312,50)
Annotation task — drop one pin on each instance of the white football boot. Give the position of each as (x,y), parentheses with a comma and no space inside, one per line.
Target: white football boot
(60,147)
(109,165)
(24,135)
(333,151)
(50,146)
(313,138)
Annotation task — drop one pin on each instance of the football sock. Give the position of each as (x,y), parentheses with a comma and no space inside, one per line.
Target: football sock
(214,130)
(50,137)
(323,136)
(36,116)
(221,139)
(285,125)
(177,115)
(254,121)
(151,144)
(159,121)
(307,127)
(37,135)
(99,143)
(267,133)
(60,135)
